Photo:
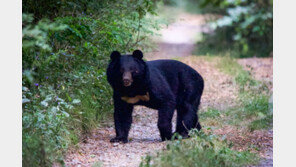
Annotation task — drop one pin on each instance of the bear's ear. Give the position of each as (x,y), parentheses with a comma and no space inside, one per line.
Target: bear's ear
(138,54)
(114,55)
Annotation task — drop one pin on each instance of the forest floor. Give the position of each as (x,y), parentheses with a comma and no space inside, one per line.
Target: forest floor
(177,42)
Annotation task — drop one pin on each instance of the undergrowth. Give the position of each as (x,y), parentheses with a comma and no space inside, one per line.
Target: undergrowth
(201,149)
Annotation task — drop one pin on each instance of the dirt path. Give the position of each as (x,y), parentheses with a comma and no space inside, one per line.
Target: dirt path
(177,41)
(144,138)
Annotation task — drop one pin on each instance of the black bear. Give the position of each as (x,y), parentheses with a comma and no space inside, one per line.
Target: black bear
(164,85)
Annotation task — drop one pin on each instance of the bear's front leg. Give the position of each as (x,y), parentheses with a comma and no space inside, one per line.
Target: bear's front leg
(122,119)
(165,115)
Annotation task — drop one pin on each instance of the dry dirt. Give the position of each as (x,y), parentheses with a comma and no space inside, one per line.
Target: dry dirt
(143,138)
(177,41)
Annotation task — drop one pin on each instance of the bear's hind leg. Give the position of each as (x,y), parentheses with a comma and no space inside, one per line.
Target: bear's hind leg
(187,119)
(180,129)
(164,124)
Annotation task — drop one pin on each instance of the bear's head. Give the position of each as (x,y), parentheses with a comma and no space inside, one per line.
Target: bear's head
(126,71)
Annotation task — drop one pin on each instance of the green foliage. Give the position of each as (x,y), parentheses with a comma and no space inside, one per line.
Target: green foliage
(200,150)
(190,6)
(259,107)
(246,26)
(210,113)
(103,9)
(66,48)
(44,125)
(262,123)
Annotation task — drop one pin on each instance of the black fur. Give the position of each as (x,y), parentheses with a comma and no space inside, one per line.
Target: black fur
(171,85)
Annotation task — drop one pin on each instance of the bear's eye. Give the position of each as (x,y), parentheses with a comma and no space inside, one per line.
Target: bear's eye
(121,70)
(136,71)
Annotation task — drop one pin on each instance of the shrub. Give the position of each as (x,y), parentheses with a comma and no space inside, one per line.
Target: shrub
(246,26)
(200,150)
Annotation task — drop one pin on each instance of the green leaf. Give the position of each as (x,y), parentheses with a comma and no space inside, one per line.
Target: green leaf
(76,101)
(65,113)
(44,103)
(25,101)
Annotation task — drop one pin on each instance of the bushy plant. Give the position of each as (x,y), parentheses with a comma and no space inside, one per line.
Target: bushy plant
(246,26)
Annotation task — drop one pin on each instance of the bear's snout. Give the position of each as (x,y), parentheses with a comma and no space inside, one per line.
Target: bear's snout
(127,79)
(127,82)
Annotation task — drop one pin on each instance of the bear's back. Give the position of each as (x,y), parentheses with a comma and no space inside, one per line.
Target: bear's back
(175,73)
